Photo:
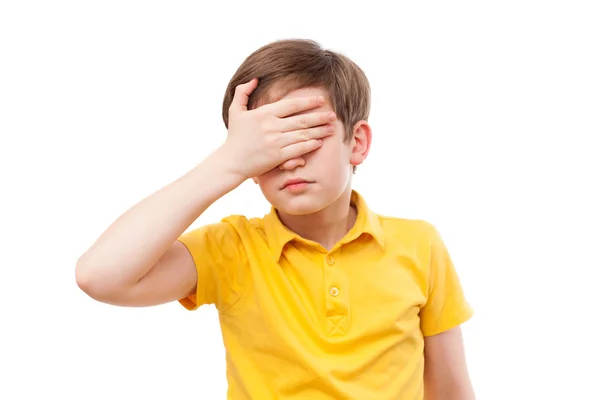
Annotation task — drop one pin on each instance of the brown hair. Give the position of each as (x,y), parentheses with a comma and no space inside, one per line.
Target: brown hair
(287,65)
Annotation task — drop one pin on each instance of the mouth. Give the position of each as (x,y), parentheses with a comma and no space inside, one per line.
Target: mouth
(295,184)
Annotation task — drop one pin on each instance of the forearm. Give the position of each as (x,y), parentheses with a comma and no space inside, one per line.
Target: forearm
(134,242)
(450,395)
(449,390)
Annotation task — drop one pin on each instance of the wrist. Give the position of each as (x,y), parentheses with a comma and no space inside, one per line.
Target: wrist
(224,167)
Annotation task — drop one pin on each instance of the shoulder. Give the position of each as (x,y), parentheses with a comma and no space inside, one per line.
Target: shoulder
(244,224)
(234,229)
(231,222)
(407,229)
(229,227)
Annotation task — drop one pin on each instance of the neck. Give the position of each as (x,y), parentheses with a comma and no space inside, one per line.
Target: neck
(326,226)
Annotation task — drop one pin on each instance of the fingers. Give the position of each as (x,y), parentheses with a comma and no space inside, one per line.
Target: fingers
(305,121)
(303,135)
(241,96)
(300,148)
(292,163)
(286,107)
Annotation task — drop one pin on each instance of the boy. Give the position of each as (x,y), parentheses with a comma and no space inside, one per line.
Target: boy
(320,299)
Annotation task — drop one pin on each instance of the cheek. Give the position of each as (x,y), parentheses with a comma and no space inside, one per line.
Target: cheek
(334,151)
(331,160)
(267,180)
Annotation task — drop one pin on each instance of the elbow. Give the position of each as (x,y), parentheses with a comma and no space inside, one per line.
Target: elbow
(86,281)
(83,279)
(95,284)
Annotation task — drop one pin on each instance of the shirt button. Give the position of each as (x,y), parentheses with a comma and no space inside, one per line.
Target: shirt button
(334,291)
(330,260)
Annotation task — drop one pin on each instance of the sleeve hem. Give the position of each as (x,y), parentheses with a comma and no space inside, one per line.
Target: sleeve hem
(191,302)
(459,318)
(188,303)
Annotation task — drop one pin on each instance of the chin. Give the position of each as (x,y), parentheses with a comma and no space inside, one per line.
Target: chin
(298,211)
(300,204)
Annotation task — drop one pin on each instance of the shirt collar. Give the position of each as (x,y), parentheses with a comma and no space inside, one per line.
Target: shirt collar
(367,222)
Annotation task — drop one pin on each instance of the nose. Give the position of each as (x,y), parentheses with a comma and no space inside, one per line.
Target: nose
(292,164)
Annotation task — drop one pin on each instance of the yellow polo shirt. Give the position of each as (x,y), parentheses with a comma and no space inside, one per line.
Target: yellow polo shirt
(301,322)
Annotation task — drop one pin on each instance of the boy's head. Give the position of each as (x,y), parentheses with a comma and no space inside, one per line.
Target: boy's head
(295,67)
(287,65)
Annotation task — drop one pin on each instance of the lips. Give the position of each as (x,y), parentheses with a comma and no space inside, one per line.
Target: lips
(294,181)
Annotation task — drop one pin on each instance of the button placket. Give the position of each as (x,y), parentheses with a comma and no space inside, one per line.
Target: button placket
(336,293)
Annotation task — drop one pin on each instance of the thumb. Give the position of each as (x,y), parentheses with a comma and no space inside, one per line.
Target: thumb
(241,96)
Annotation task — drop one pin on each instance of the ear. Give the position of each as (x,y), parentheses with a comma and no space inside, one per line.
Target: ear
(361,143)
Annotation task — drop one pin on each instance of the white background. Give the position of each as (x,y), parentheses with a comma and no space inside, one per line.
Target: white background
(486,123)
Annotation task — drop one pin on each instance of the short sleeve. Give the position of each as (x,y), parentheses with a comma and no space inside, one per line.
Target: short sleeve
(221,265)
(446,306)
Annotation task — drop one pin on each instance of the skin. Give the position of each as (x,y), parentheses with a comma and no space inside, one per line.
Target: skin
(138,261)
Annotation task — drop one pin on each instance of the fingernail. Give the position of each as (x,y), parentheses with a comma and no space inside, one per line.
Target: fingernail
(332,116)
(320,100)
